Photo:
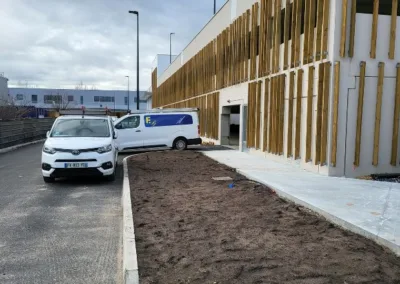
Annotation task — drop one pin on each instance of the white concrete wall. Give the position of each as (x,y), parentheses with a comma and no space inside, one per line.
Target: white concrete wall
(348,101)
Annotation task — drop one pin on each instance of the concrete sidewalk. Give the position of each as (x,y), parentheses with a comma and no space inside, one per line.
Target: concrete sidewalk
(369,208)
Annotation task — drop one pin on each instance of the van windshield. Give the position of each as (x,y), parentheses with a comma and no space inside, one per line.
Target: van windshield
(81,128)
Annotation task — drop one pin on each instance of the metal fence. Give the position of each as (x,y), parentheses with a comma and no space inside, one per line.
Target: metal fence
(22,131)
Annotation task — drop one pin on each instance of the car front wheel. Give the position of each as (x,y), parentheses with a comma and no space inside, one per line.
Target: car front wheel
(48,179)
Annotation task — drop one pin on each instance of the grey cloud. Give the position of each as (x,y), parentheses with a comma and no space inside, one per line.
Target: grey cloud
(59,43)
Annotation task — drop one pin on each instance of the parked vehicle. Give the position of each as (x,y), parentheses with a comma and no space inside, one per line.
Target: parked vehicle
(80,146)
(173,128)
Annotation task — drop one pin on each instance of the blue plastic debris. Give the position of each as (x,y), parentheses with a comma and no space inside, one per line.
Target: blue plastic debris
(231,185)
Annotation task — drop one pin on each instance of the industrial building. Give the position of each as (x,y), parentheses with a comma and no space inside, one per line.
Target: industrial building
(316,82)
(3,89)
(76,99)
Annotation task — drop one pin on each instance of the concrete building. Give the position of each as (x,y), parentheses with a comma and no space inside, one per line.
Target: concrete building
(70,98)
(316,84)
(3,89)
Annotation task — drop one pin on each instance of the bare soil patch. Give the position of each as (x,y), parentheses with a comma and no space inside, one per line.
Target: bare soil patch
(191,228)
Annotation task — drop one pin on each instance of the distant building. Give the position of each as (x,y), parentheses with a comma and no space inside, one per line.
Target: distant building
(3,89)
(75,99)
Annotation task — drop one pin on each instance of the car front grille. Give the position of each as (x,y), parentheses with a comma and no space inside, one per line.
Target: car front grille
(76,160)
(90,172)
(79,150)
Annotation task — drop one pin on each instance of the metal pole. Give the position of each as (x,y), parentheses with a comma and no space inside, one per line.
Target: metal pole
(170,47)
(137,71)
(137,64)
(128,99)
(215,7)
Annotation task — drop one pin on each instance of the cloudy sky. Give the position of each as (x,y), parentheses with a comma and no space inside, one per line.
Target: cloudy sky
(59,43)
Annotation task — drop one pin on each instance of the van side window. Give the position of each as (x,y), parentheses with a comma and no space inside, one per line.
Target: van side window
(158,120)
(129,122)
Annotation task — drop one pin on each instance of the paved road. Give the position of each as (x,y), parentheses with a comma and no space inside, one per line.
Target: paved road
(68,232)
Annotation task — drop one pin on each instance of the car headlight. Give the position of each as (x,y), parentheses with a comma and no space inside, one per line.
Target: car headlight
(49,150)
(105,149)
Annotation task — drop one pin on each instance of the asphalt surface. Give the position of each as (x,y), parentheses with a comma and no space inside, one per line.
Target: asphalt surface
(67,232)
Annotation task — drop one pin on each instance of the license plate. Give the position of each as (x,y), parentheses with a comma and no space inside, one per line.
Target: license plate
(75,165)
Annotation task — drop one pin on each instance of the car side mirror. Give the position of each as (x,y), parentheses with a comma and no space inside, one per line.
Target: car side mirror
(115,135)
(48,134)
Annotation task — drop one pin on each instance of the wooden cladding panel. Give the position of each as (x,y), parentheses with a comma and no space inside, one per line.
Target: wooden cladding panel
(262,40)
(342,51)
(393,28)
(325,113)
(324,48)
(311,26)
(321,71)
(299,92)
(269,43)
(266,114)
(299,9)
(286,35)
(154,88)
(293,32)
(271,117)
(359,114)
(253,49)
(374,33)
(378,113)
(277,16)
(289,145)
(307,15)
(335,110)
(352,27)
(320,16)
(310,94)
(396,117)
(258,115)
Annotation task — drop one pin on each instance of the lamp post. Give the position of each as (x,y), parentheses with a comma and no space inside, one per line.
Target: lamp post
(137,63)
(170,47)
(128,91)
(215,6)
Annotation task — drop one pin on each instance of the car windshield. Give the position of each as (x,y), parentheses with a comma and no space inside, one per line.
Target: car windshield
(81,128)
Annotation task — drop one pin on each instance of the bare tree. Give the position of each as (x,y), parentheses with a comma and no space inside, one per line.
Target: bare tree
(60,100)
(10,109)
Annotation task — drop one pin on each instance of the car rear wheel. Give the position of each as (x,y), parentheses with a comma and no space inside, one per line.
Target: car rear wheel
(48,179)
(180,144)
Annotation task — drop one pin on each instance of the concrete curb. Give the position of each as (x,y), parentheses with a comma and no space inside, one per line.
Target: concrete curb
(332,218)
(12,148)
(129,263)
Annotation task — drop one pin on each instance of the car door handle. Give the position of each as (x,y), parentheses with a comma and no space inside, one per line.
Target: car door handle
(138,131)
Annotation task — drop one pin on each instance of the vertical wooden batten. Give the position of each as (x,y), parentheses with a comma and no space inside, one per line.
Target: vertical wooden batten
(325,112)
(374,32)
(266,113)
(310,94)
(289,146)
(299,93)
(396,117)
(378,113)
(335,110)
(325,37)
(352,27)
(321,73)
(360,113)
(342,51)
(393,28)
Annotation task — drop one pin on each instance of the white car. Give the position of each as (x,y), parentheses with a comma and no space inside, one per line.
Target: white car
(80,146)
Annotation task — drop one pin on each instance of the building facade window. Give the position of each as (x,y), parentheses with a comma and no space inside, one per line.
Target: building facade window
(19,97)
(70,98)
(49,99)
(126,100)
(81,100)
(140,101)
(34,99)
(103,99)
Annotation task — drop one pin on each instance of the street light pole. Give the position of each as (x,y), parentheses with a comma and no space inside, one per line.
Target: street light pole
(137,63)
(170,47)
(128,91)
(215,6)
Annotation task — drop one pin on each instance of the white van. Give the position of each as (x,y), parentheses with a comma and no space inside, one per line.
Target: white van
(173,128)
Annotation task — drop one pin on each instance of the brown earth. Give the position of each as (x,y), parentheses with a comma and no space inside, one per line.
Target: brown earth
(192,229)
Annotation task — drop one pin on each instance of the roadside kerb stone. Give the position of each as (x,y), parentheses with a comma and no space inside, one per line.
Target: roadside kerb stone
(12,148)
(130,264)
